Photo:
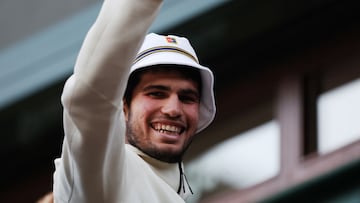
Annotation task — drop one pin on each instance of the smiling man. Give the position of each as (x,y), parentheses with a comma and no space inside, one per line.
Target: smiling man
(163,114)
(131,109)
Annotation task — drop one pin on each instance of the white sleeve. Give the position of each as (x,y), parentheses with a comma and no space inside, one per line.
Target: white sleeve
(90,166)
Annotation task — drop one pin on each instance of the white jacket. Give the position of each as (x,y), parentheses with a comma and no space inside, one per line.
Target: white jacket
(96,165)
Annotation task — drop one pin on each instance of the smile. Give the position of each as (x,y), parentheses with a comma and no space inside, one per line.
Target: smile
(162,128)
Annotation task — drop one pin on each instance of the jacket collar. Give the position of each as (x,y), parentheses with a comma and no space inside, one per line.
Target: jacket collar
(171,173)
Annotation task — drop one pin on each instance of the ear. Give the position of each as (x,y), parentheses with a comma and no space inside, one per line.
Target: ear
(126,110)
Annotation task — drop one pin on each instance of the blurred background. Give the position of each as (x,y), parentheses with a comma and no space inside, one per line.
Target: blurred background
(287,86)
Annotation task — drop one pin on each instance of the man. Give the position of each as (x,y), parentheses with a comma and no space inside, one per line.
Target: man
(129,118)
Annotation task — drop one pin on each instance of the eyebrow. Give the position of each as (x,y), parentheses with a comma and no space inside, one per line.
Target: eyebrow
(190,91)
(157,87)
(166,88)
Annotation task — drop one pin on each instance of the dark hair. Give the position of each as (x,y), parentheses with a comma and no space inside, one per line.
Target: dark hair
(134,78)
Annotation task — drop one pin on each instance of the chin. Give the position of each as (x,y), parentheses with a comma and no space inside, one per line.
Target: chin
(170,148)
(167,153)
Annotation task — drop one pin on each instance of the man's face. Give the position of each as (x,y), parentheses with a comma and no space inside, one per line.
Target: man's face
(163,115)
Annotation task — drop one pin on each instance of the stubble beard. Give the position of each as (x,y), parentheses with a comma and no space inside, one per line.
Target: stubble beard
(135,138)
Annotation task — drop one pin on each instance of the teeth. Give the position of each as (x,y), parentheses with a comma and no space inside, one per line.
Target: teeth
(169,128)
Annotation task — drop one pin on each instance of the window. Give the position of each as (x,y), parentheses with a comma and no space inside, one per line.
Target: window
(338,117)
(239,162)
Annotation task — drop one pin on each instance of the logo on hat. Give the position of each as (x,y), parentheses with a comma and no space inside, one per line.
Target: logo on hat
(171,40)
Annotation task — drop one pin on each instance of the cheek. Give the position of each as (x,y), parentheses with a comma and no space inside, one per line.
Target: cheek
(143,109)
(148,106)
(193,114)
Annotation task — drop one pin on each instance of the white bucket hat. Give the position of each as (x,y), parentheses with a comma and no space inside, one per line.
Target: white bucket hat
(158,49)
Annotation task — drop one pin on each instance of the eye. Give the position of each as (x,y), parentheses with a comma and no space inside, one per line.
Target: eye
(157,94)
(189,98)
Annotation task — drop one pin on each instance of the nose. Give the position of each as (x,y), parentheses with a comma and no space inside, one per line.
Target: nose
(172,107)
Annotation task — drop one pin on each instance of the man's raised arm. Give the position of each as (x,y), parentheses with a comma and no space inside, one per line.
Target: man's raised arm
(92,153)
(112,42)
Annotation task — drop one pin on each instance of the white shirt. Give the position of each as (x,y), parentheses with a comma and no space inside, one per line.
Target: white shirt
(96,165)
